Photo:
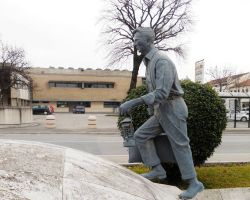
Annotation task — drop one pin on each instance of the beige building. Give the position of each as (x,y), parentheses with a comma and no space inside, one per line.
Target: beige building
(98,90)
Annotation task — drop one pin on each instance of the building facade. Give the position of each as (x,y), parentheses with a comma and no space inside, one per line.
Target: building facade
(15,88)
(98,90)
(239,88)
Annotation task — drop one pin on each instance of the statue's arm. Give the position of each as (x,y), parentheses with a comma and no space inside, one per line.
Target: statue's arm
(164,78)
(126,107)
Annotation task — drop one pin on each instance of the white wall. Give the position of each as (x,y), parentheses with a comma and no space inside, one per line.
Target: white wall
(17,115)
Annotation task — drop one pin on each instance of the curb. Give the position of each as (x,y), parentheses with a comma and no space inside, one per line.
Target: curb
(59,131)
(18,125)
(237,129)
(204,165)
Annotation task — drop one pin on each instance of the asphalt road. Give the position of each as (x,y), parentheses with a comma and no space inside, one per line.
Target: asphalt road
(235,147)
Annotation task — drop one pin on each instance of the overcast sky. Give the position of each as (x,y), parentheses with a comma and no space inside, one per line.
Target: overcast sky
(65,33)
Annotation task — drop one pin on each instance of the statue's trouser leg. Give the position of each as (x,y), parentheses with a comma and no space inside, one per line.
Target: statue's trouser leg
(145,143)
(179,141)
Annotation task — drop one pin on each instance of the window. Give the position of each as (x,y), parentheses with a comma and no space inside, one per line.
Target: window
(52,84)
(111,104)
(62,104)
(99,85)
(86,104)
(70,84)
(65,84)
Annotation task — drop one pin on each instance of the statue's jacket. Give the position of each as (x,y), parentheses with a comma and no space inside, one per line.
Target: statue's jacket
(165,97)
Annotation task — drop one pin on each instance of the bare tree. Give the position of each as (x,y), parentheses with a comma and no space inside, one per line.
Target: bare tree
(223,77)
(168,18)
(13,71)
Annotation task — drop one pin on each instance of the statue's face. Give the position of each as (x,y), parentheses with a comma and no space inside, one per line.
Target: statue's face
(142,43)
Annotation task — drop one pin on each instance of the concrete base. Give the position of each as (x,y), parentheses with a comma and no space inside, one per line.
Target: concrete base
(225,194)
(37,171)
(15,115)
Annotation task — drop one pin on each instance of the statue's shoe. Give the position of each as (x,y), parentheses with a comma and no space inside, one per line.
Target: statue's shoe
(157,172)
(192,191)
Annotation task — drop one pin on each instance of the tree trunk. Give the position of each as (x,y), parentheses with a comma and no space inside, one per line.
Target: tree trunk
(5,97)
(221,87)
(136,64)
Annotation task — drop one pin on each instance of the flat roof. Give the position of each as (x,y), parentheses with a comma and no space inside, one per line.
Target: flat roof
(234,94)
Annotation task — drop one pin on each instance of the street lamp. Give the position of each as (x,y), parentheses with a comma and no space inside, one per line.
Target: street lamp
(127,132)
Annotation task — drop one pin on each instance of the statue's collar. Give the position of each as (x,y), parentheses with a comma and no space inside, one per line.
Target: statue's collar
(150,54)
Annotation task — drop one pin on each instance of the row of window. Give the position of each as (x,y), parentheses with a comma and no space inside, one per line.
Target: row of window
(62,104)
(242,90)
(69,84)
(87,104)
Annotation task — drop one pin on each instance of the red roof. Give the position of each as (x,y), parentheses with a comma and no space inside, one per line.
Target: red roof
(224,79)
(244,83)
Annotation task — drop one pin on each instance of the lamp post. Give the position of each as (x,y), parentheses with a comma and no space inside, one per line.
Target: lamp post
(127,132)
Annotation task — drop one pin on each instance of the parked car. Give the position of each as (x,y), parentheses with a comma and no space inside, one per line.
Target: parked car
(79,109)
(242,116)
(245,109)
(41,110)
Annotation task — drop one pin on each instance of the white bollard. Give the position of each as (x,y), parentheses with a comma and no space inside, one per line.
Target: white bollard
(50,121)
(92,121)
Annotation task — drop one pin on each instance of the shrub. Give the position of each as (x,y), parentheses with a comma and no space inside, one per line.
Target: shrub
(206,121)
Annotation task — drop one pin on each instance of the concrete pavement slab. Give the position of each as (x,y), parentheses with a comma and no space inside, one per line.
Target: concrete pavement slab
(235,194)
(225,194)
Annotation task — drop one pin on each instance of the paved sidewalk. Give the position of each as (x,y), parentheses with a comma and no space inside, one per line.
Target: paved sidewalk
(65,123)
(216,158)
(78,123)
(225,194)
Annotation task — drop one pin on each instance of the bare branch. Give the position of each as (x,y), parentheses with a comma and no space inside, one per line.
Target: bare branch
(13,69)
(168,18)
(222,77)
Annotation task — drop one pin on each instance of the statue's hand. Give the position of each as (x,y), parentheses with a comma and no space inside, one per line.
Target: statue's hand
(126,107)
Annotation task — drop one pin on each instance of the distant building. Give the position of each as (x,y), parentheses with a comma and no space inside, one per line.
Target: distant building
(199,71)
(15,95)
(14,98)
(230,83)
(98,90)
(20,96)
(237,85)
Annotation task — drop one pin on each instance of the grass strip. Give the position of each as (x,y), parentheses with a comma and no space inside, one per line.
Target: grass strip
(215,176)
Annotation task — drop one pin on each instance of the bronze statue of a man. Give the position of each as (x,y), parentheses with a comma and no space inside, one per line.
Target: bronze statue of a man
(168,114)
